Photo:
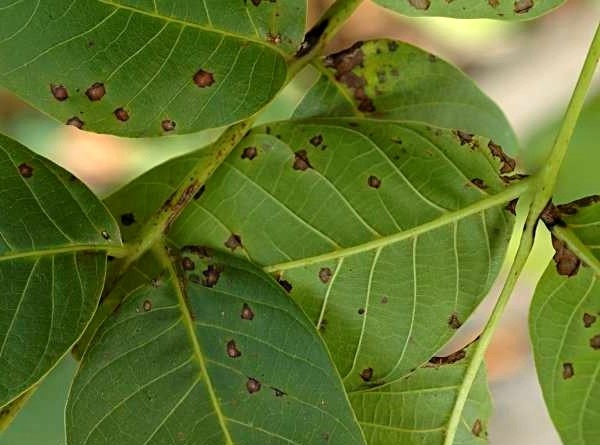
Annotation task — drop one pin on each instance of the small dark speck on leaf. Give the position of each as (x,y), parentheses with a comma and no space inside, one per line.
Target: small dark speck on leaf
(420,4)
(249,153)
(325,437)
(384,300)
(127,219)
(105,235)
(96,92)
(454,322)
(361,311)
(75,122)
(595,342)
(247,313)
(477,428)
(168,125)
(494,3)
(523,6)
(232,350)
(588,320)
(256,2)
(59,92)
(279,393)
(122,114)
(316,140)
(374,182)
(325,274)
(252,385)
(203,79)
(512,206)
(199,193)
(285,284)
(147,306)
(477,182)
(568,371)
(366,374)
(233,242)
(301,161)
(275,39)
(25,170)
(211,275)
(187,263)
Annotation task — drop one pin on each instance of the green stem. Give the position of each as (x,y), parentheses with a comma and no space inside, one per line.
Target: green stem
(546,180)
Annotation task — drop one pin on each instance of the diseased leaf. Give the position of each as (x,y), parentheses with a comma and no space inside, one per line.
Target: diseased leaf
(564,326)
(213,352)
(378,230)
(472,9)
(415,409)
(53,236)
(143,68)
(390,80)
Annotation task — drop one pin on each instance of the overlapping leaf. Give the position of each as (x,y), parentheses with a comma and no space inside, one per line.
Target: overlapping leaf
(415,410)
(366,223)
(385,79)
(53,237)
(471,9)
(214,354)
(142,68)
(564,325)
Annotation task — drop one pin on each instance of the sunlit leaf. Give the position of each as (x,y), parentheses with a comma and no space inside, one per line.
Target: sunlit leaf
(390,80)
(211,351)
(53,236)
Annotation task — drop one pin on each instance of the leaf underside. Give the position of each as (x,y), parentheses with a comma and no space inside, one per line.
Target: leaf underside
(53,234)
(564,330)
(390,80)
(219,355)
(471,9)
(294,191)
(143,68)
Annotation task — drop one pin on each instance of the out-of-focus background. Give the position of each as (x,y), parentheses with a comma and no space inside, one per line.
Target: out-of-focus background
(528,68)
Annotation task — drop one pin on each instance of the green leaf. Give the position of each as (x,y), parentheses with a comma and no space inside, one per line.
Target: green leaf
(211,352)
(473,9)
(54,234)
(415,410)
(390,80)
(380,229)
(144,68)
(564,326)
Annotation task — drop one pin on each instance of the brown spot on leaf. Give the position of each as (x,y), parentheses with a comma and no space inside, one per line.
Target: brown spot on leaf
(374,182)
(127,219)
(252,385)
(105,235)
(247,313)
(512,206)
(75,122)
(595,342)
(25,170)
(96,92)
(233,242)
(453,321)
(477,182)
(568,371)
(588,320)
(384,300)
(203,79)
(199,193)
(301,161)
(256,2)
(275,39)
(550,216)
(325,274)
(448,359)
(168,125)
(464,137)
(249,153)
(316,140)
(523,6)
(121,114)
(573,207)
(147,306)
(366,374)
(187,263)
(566,261)
(211,275)
(477,428)
(423,5)
(279,393)
(494,3)
(59,92)
(361,311)
(285,284)
(508,163)
(232,350)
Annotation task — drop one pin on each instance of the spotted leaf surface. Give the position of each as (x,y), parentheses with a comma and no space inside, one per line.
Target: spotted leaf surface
(146,68)
(370,227)
(53,236)
(392,80)
(415,410)
(564,326)
(471,9)
(214,353)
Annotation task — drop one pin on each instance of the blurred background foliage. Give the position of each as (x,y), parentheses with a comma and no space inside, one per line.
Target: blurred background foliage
(529,68)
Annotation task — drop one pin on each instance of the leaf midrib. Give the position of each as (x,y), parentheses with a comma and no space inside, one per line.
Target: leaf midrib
(12,255)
